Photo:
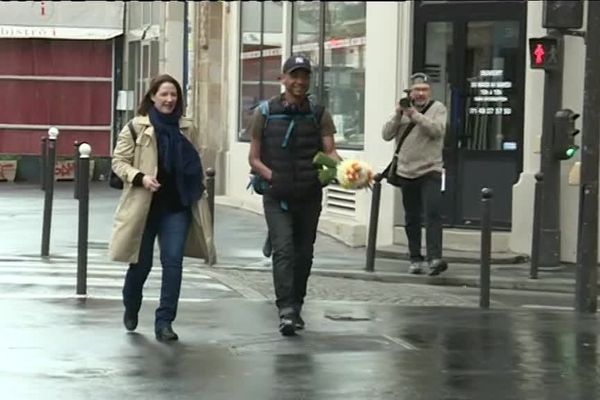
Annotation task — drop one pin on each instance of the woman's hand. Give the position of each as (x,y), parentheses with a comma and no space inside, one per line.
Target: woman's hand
(150,183)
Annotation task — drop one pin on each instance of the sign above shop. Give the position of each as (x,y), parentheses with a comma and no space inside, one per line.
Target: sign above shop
(93,20)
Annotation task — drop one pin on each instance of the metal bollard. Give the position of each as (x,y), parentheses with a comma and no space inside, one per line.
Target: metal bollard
(49,190)
(84,195)
(43,161)
(210,191)
(535,234)
(486,247)
(373,223)
(76,171)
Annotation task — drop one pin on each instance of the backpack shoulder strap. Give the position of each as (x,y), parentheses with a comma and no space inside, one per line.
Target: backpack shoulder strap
(264,111)
(132,130)
(263,106)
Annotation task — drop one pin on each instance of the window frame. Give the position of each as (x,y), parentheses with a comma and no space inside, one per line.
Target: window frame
(321,67)
(242,135)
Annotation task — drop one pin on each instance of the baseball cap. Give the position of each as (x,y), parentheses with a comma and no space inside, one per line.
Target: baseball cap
(419,77)
(296,62)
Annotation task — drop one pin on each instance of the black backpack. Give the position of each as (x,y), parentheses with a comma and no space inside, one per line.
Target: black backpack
(114,181)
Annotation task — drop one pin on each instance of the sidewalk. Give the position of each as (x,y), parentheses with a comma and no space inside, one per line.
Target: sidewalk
(240,234)
(239,238)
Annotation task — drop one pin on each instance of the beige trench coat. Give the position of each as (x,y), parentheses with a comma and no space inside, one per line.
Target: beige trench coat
(130,218)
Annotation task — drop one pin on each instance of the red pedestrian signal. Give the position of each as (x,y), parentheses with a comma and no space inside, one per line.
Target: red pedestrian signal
(539,54)
(544,53)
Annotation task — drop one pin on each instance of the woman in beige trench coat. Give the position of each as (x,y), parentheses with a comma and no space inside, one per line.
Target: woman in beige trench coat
(163,196)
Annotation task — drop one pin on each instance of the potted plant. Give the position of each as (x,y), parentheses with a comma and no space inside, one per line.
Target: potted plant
(8,167)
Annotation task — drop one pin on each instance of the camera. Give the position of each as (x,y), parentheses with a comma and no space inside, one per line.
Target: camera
(405,102)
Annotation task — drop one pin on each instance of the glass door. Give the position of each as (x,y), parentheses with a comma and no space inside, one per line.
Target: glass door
(475,56)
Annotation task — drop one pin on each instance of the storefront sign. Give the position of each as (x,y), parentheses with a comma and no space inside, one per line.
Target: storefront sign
(487,91)
(40,32)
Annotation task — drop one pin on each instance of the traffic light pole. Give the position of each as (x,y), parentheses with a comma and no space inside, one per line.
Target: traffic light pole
(587,240)
(548,204)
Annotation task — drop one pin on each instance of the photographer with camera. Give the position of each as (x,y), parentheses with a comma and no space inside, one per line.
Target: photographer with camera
(419,126)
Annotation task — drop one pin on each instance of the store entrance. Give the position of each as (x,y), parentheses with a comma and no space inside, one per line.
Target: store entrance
(475,54)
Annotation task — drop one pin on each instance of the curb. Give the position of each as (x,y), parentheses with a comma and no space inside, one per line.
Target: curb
(554,285)
(495,259)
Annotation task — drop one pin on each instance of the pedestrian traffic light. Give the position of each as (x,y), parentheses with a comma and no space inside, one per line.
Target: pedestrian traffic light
(544,53)
(563,144)
(562,14)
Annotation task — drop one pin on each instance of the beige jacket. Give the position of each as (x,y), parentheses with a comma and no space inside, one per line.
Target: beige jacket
(128,160)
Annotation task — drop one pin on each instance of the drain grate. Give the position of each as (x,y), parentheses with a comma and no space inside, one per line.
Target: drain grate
(318,342)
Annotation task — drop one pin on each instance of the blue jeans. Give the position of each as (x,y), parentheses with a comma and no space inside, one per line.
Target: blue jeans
(171,229)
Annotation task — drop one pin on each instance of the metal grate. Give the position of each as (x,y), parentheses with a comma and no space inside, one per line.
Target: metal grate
(340,201)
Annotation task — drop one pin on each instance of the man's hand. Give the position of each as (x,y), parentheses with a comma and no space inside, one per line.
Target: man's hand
(399,110)
(268,175)
(150,183)
(409,111)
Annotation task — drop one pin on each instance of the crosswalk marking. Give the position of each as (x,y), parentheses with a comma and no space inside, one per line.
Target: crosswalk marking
(25,277)
(101,283)
(92,271)
(34,296)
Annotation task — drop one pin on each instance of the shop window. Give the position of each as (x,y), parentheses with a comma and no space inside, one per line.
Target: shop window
(332,36)
(260,57)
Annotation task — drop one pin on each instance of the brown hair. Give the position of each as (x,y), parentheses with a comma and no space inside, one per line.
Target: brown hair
(155,84)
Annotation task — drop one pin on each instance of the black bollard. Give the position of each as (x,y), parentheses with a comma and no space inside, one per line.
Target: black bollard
(373,224)
(76,170)
(486,247)
(49,190)
(535,233)
(43,161)
(210,191)
(82,237)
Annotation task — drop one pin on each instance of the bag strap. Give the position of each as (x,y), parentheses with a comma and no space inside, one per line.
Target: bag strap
(132,131)
(410,128)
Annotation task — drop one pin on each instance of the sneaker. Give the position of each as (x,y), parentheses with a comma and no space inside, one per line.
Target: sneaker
(287,326)
(437,266)
(298,322)
(415,267)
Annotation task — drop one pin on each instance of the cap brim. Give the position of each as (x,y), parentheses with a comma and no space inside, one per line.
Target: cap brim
(298,67)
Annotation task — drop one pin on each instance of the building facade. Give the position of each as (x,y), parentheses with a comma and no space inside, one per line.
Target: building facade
(363,53)
(58,69)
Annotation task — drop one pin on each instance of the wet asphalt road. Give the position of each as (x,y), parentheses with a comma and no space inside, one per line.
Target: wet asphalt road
(229,349)
(366,344)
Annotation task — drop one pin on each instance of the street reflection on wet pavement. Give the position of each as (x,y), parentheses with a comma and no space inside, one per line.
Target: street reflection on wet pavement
(230,349)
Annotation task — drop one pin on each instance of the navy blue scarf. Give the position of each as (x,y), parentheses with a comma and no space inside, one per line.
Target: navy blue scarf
(179,157)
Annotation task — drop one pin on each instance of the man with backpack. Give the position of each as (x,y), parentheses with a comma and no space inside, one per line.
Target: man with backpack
(419,126)
(287,131)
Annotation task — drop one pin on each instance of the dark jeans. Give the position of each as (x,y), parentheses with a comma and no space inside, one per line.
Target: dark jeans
(171,229)
(292,233)
(422,197)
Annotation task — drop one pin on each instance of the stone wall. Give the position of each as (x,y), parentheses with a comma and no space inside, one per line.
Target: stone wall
(209,83)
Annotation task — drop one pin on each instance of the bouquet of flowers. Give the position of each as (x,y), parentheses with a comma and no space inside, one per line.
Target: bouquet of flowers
(350,174)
